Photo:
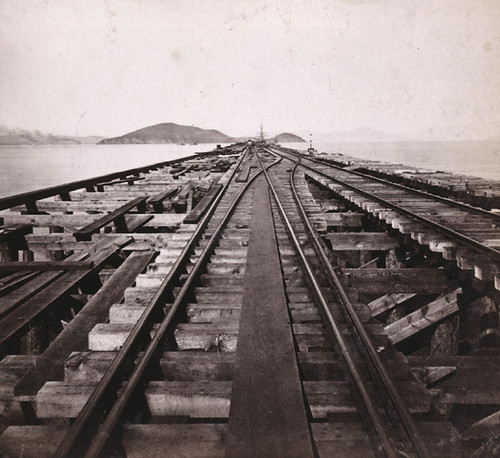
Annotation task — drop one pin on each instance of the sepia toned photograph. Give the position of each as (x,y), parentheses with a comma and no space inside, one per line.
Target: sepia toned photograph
(249,228)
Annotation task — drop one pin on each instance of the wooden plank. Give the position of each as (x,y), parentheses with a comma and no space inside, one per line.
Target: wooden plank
(388,302)
(157,200)
(134,222)
(75,334)
(33,287)
(434,312)
(389,281)
(86,232)
(432,375)
(264,421)
(14,230)
(44,265)
(130,181)
(374,241)
(30,309)
(175,440)
(31,441)
(242,176)
(195,215)
(347,219)
(13,281)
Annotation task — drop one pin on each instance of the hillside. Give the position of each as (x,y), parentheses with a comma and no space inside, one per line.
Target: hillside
(26,137)
(286,137)
(171,133)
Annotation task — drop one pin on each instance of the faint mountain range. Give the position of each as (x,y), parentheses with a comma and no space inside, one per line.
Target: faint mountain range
(170,132)
(35,137)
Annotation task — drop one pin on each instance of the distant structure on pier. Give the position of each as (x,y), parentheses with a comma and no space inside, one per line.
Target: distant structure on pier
(262,134)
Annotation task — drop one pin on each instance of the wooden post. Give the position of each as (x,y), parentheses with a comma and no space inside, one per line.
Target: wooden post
(35,340)
(489,334)
(444,341)
(6,253)
(392,262)
(56,255)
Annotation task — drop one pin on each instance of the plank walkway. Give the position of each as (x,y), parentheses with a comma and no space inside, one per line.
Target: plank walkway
(267,413)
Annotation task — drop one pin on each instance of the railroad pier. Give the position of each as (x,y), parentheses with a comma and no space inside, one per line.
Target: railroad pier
(251,301)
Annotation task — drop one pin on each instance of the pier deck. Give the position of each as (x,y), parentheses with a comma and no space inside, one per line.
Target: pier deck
(251,301)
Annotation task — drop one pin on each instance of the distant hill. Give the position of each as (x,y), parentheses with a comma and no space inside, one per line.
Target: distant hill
(26,137)
(171,133)
(286,137)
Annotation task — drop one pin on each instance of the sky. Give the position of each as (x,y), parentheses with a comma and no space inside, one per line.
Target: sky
(425,69)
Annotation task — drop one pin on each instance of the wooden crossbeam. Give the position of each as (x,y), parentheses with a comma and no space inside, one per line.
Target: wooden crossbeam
(346,219)
(195,215)
(37,303)
(34,286)
(388,302)
(370,241)
(434,312)
(116,216)
(75,335)
(389,281)
(45,265)
(157,200)
(130,181)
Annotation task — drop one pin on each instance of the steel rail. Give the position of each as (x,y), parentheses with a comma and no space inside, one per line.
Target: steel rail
(371,409)
(33,196)
(113,375)
(421,219)
(400,406)
(108,426)
(429,195)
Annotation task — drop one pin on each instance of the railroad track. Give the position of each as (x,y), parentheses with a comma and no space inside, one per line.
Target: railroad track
(250,331)
(460,231)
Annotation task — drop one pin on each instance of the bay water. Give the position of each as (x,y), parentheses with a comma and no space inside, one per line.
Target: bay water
(30,167)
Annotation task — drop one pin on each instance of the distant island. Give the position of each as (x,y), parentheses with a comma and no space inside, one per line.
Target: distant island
(159,133)
(286,137)
(170,132)
(26,137)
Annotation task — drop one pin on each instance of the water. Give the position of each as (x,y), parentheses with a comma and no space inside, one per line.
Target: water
(29,167)
(480,159)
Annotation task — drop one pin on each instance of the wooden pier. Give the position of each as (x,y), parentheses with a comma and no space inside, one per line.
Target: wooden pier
(251,301)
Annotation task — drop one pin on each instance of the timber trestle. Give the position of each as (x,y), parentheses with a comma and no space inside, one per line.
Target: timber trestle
(247,302)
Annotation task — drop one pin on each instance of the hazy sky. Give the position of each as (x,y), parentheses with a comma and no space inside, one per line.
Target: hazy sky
(96,67)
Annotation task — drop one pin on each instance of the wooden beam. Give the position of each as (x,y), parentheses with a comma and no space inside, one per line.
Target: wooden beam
(30,309)
(157,200)
(75,335)
(116,216)
(195,215)
(347,219)
(370,241)
(264,421)
(388,302)
(389,281)
(34,286)
(434,312)
(39,266)
(432,375)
